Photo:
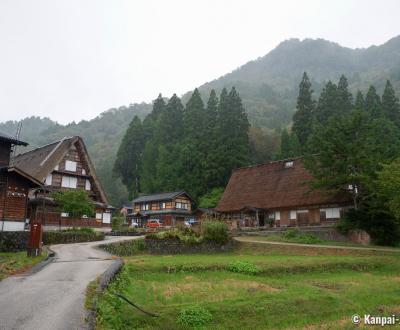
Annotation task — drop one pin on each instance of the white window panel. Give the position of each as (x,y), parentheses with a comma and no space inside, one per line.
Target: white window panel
(48,180)
(106,217)
(88,186)
(56,168)
(277,215)
(293,215)
(64,214)
(83,171)
(69,182)
(99,216)
(70,166)
(332,213)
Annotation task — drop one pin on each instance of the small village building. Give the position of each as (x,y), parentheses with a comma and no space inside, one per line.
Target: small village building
(173,208)
(276,194)
(15,185)
(59,166)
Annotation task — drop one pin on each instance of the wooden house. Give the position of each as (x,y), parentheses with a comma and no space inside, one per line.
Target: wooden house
(15,185)
(59,166)
(173,208)
(276,194)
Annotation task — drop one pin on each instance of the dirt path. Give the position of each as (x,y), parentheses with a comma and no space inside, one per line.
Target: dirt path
(243,239)
(53,298)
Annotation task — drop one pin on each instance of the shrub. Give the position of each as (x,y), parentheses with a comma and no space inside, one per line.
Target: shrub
(291,233)
(126,248)
(86,230)
(116,223)
(216,231)
(244,268)
(194,316)
(71,236)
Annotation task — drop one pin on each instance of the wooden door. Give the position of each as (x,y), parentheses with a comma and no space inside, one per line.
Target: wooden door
(302,219)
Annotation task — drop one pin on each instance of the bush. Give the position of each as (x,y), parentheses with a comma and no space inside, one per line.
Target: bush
(72,236)
(291,233)
(216,231)
(194,316)
(126,248)
(184,234)
(86,230)
(383,228)
(244,268)
(13,241)
(116,223)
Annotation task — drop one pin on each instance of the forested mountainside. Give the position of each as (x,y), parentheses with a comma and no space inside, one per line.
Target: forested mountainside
(268,87)
(102,136)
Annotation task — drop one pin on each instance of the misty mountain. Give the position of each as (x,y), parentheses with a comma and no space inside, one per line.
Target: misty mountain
(267,85)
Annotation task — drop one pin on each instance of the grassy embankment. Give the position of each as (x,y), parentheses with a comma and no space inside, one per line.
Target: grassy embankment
(256,287)
(16,262)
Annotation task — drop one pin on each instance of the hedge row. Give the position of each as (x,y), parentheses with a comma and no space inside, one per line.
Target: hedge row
(63,237)
(14,241)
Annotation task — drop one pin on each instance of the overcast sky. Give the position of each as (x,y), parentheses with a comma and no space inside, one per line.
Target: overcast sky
(72,59)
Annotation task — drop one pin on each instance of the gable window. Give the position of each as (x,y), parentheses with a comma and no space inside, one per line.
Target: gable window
(88,186)
(180,205)
(70,166)
(162,205)
(83,171)
(56,168)
(144,207)
(289,164)
(48,180)
(69,182)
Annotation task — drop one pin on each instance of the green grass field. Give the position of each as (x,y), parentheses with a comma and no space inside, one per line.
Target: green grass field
(295,288)
(16,262)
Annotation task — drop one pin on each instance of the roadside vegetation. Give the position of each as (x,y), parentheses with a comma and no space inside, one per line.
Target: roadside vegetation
(256,286)
(16,262)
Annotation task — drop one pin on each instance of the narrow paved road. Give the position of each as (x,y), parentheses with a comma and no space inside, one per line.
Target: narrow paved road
(53,298)
(343,247)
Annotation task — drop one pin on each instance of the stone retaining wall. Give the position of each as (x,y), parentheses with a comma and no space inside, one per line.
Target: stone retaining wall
(175,246)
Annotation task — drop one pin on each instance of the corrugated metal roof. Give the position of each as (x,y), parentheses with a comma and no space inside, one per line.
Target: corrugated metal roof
(159,196)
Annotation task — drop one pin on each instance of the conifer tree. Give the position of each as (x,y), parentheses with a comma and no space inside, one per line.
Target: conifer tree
(359,103)
(345,99)
(390,104)
(150,153)
(328,103)
(285,144)
(232,141)
(303,118)
(127,165)
(373,103)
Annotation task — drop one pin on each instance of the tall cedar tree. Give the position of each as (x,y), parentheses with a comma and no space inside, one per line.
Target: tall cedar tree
(328,104)
(194,148)
(150,153)
(359,103)
(211,175)
(232,138)
(290,145)
(345,99)
(129,157)
(303,118)
(390,104)
(167,137)
(373,103)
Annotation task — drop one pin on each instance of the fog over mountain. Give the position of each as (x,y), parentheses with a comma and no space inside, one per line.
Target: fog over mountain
(267,85)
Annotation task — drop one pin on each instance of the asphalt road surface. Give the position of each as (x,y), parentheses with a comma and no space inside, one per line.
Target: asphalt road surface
(54,297)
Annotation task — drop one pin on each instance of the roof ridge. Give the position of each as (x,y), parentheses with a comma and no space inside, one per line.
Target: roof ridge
(269,163)
(52,151)
(46,145)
